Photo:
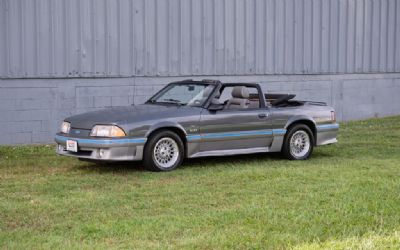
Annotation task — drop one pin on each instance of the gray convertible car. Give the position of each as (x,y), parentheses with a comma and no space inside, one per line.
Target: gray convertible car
(190,119)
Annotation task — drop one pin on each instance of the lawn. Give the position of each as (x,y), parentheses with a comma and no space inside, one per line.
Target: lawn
(346,196)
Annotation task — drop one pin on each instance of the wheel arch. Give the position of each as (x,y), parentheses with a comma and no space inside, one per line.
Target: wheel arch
(306,121)
(176,128)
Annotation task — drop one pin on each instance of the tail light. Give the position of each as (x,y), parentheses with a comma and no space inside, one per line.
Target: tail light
(333,116)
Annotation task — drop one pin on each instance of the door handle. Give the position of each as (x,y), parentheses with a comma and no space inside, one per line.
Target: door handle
(262,115)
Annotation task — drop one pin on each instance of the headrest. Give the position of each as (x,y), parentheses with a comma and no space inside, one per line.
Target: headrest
(240,92)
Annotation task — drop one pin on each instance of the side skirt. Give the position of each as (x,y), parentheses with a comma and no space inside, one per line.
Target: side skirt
(230,152)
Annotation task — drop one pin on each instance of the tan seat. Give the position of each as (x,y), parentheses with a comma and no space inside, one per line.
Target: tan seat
(239,99)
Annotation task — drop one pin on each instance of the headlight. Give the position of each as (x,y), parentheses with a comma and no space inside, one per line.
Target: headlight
(65,127)
(107,131)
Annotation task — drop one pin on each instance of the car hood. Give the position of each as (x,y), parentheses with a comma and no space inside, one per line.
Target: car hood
(124,115)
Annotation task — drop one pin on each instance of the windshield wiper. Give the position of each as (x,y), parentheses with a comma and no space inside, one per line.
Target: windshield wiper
(170,100)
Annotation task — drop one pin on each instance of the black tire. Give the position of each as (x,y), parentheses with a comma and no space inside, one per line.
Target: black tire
(286,148)
(149,159)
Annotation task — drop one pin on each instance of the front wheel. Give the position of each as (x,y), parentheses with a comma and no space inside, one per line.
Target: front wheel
(299,143)
(163,152)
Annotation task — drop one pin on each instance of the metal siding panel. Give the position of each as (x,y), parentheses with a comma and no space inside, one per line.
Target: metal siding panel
(113,40)
(298,62)
(334,36)
(174,37)
(50,20)
(325,35)
(351,35)
(23,65)
(259,36)
(86,38)
(151,35)
(375,37)
(107,34)
(14,38)
(219,37)
(239,37)
(316,35)
(342,36)
(359,43)
(139,38)
(131,28)
(367,35)
(270,36)
(208,31)
(58,38)
(279,36)
(44,39)
(383,36)
(94,45)
(73,39)
(99,49)
(230,63)
(391,35)
(86,35)
(3,44)
(125,40)
(397,42)
(307,36)
(250,37)
(162,52)
(197,37)
(289,37)
(186,38)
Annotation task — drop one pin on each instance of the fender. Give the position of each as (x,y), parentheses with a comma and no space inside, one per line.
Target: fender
(165,124)
(300,118)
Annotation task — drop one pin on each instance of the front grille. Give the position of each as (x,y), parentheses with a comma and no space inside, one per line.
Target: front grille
(79,132)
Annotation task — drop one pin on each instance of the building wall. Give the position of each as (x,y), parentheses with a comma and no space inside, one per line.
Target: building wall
(63,57)
(113,38)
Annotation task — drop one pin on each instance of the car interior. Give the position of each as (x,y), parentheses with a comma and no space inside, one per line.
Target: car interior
(244,97)
(238,97)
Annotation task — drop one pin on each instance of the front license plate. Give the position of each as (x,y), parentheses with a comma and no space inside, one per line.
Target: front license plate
(72,146)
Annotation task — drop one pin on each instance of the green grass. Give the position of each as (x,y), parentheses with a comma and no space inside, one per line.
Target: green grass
(347,196)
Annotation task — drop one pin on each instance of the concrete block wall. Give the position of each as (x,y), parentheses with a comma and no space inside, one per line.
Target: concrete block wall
(31,110)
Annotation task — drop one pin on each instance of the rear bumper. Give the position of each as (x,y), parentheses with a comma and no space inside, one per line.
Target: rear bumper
(127,149)
(327,134)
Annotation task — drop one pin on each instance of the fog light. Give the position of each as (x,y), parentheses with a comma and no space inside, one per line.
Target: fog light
(60,148)
(102,153)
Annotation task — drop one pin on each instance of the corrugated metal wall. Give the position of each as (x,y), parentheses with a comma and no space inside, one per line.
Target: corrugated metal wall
(106,38)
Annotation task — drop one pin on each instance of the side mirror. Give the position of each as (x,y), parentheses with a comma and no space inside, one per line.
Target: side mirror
(216,107)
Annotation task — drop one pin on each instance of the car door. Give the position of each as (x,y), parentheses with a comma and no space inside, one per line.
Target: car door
(236,129)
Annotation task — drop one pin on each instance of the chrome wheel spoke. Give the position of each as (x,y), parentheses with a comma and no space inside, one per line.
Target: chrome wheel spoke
(166,152)
(300,143)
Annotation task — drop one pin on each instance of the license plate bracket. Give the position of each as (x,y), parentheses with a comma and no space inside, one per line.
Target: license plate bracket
(72,146)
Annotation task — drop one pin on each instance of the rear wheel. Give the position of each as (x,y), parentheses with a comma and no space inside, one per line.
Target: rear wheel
(163,152)
(299,143)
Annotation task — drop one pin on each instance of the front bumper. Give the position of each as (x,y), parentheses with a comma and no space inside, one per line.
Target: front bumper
(126,149)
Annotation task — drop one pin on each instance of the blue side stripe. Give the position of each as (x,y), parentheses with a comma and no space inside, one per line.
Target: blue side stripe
(328,126)
(222,135)
(193,137)
(102,141)
(279,131)
(236,134)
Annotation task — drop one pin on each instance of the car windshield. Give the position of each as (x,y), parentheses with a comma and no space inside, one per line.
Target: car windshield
(184,94)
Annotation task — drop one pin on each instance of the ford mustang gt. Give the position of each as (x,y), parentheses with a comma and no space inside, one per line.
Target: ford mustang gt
(189,119)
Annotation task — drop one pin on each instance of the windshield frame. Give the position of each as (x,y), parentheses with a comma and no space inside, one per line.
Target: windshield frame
(152,100)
